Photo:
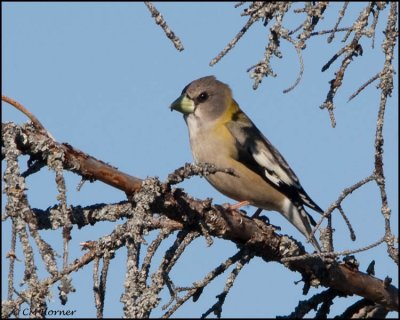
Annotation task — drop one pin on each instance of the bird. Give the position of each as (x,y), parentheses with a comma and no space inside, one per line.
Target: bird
(220,133)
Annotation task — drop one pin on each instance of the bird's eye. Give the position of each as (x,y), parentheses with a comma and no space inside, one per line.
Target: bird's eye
(202,97)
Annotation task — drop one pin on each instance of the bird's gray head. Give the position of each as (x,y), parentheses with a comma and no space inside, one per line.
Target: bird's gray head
(206,98)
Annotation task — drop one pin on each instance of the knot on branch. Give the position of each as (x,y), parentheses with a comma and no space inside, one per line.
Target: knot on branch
(148,193)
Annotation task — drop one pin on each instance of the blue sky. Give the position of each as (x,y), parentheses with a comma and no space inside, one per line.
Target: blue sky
(101,76)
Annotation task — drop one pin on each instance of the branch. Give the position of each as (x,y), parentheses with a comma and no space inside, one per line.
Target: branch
(163,24)
(386,86)
(25,111)
(152,196)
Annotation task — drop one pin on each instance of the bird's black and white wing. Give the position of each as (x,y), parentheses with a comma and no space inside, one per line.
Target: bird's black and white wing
(268,161)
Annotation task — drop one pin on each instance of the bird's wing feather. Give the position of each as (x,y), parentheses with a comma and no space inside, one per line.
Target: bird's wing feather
(271,164)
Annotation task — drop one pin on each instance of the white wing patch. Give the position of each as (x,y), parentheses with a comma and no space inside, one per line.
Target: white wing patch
(273,169)
(278,171)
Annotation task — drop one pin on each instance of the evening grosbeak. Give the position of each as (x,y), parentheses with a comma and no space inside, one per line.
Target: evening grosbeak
(222,134)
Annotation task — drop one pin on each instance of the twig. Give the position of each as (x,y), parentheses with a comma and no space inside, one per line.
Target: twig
(352,234)
(341,15)
(380,6)
(334,58)
(386,86)
(163,24)
(364,309)
(151,250)
(342,196)
(298,51)
(233,42)
(25,111)
(322,32)
(217,307)
(334,254)
(295,30)
(11,255)
(306,306)
(33,167)
(353,49)
(375,77)
(314,14)
(206,280)
(96,288)
(103,280)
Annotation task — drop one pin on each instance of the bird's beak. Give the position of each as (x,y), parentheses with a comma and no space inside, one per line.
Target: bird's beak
(183,104)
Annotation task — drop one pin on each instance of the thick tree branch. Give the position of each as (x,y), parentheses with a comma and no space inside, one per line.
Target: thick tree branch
(235,226)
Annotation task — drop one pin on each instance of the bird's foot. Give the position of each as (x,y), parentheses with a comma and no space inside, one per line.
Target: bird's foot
(257,214)
(239,205)
(264,219)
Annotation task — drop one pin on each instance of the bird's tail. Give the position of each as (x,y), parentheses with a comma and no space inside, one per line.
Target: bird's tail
(298,216)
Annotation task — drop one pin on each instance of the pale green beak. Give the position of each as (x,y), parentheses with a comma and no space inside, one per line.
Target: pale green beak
(183,104)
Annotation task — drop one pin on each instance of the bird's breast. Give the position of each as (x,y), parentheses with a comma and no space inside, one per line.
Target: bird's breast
(215,144)
(210,142)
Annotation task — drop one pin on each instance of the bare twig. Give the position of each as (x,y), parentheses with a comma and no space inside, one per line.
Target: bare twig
(322,32)
(342,196)
(301,71)
(386,86)
(96,289)
(217,307)
(306,306)
(340,17)
(352,234)
(355,94)
(26,112)
(364,309)
(233,42)
(163,24)
(353,49)
(206,280)
(334,254)
(314,14)
(11,255)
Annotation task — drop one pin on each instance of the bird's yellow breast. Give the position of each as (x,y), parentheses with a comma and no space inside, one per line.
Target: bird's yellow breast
(209,141)
(221,132)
